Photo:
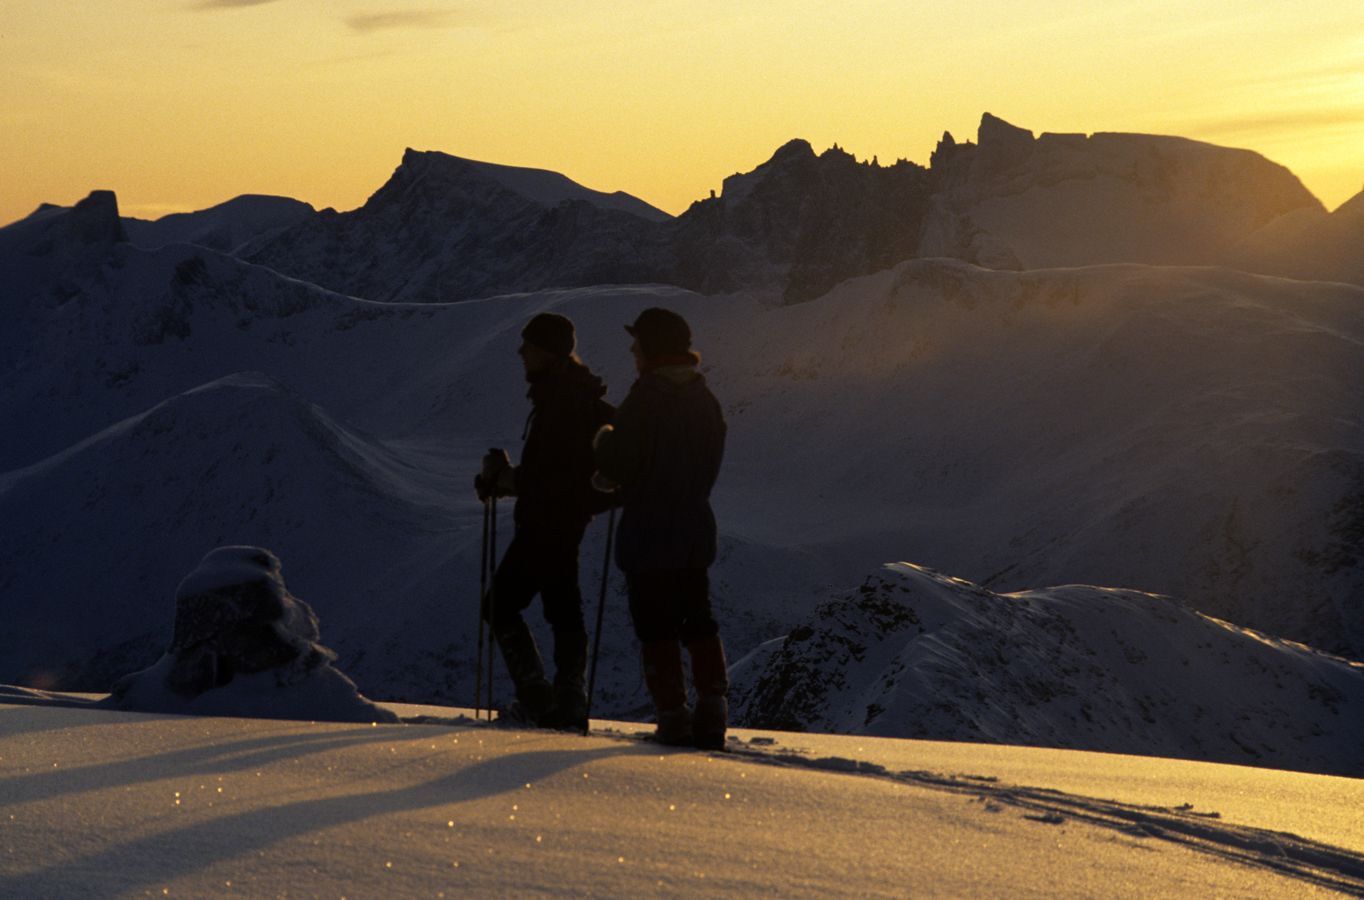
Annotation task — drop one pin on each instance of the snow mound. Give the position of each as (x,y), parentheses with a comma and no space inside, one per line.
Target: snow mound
(244,646)
(914,653)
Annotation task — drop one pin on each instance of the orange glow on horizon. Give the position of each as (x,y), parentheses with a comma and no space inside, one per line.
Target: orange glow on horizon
(192,102)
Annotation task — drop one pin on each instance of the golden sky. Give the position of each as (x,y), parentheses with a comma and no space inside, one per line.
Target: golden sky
(181,104)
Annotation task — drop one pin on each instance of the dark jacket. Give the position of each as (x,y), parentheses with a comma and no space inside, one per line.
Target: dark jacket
(554,480)
(664,451)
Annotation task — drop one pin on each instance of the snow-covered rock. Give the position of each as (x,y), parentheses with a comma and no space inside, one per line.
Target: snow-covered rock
(913,653)
(244,646)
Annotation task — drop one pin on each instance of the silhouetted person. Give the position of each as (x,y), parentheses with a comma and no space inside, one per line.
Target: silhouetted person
(554,503)
(664,453)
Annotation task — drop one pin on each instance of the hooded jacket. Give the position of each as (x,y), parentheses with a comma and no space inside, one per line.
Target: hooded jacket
(554,480)
(664,450)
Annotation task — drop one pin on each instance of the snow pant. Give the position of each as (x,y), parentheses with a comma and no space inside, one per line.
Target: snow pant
(671,605)
(544,563)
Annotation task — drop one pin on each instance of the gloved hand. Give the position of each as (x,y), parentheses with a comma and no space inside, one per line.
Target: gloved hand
(498,478)
(494,461)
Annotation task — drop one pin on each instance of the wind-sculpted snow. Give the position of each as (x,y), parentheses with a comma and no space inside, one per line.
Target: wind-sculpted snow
(913,653)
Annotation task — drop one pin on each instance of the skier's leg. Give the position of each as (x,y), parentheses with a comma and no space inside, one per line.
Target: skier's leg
(701,634)
(514,585)
(563,602)
(653,612)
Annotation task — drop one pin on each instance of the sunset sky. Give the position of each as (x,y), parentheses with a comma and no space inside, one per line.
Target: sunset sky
(180,104)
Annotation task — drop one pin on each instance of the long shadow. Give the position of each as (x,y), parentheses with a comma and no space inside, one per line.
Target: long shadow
(213,758)
(157,858)
(15,720)
(1312,862)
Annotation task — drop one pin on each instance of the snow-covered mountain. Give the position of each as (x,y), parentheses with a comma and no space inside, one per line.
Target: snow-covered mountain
(1016,201)
(1309,243)
(224,227)
(799,224)
(913,653)
(1189,431)
(444,228)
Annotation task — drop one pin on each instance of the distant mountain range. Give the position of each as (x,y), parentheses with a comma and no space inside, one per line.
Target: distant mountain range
(1186,430)
(445,228)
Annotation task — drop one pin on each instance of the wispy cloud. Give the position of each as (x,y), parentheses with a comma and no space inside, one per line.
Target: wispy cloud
(230,4)
(1290,120)
(366,23)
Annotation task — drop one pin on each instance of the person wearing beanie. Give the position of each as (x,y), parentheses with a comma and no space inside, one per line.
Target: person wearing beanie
(555,501)
(663,453)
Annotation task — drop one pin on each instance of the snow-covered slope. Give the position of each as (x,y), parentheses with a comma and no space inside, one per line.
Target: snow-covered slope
(223,227)
(913,653)
(100,803)
(1309,243)
(1194,432)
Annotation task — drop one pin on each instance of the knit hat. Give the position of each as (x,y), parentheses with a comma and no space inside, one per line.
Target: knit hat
(552,333)
(661,332)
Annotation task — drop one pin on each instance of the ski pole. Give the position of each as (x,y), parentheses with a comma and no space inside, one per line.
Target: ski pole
(492,599)
(482,600)
(601,608)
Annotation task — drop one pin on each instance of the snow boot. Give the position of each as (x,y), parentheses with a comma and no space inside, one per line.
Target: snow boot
(711,680)
(568,712)
(663,677)
(533,692)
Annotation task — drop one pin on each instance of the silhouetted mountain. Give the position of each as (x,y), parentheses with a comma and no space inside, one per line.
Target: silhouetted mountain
(444,228)
(223,227)
(1309,243)
(1018,202)
(800,224)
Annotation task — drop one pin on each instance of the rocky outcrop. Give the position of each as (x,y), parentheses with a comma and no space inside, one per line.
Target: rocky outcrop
(244,645)
(799,224)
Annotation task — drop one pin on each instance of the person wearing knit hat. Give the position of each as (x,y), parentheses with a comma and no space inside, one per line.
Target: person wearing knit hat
(551,333)
(663,453)
(554,502)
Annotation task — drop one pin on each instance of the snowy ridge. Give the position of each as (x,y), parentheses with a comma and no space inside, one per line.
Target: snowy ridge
(913,653)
